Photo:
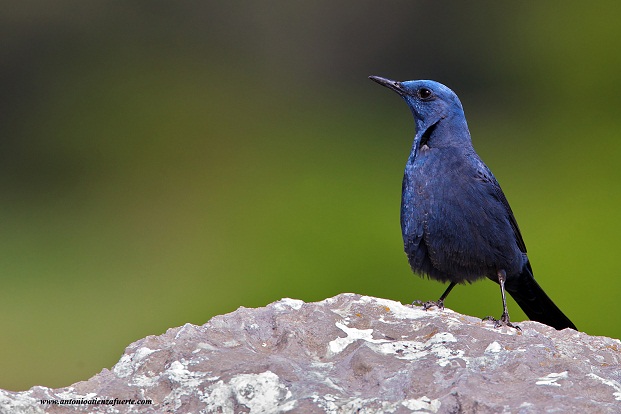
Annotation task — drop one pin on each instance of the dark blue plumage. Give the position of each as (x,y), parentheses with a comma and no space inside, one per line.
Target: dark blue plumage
(456,223)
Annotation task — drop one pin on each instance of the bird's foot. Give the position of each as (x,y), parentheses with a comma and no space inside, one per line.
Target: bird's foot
(503,321)
(429,304)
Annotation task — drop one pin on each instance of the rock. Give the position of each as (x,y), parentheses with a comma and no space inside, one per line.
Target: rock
(349,354)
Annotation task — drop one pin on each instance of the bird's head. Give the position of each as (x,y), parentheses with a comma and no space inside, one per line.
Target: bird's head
(430,103)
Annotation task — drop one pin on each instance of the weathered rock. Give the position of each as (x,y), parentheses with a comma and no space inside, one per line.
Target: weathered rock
(350,354)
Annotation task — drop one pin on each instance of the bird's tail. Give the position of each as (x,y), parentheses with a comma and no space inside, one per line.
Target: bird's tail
(534,301)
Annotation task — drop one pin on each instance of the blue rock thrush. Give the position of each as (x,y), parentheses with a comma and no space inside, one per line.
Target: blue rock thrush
(456,222)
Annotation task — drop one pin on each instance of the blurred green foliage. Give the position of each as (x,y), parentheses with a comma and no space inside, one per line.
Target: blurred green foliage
(164,162)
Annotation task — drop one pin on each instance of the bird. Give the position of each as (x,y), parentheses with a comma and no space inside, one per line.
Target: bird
(456,222)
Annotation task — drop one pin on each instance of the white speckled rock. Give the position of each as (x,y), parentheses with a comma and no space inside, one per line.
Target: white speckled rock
(349,354)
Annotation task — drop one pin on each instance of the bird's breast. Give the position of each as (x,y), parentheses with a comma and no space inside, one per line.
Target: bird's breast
(445,208)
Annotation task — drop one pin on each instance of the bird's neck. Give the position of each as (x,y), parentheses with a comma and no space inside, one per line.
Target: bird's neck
(452,131)
(449,132)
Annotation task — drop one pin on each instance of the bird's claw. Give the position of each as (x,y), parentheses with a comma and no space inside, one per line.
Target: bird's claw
(503,321)
(429,304)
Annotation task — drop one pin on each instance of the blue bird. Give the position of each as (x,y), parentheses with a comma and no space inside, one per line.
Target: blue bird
(456,223)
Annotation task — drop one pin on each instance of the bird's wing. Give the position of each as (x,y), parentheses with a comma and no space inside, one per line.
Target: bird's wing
(486,176)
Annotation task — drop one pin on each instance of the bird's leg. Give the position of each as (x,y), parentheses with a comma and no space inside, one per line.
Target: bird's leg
(504,319)
(439,303)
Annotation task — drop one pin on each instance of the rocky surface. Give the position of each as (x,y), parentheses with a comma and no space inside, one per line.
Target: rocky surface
(349,354)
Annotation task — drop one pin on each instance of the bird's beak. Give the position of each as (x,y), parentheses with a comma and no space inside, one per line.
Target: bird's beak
(390,84)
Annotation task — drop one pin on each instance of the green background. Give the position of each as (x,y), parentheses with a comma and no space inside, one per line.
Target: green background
(164,162)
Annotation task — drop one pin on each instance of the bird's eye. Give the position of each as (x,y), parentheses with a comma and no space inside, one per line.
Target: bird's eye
(424,93)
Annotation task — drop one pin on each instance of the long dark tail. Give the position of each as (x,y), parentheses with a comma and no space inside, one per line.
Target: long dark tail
(534,301)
